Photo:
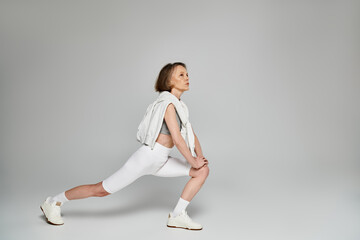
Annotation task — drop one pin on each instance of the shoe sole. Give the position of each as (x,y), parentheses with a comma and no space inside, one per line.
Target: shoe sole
(47,220)
(185,228)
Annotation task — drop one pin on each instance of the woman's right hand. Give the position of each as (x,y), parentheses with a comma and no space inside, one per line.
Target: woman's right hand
(199,162)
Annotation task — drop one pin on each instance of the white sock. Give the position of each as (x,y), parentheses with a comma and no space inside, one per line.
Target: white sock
(60,198)
(181,205)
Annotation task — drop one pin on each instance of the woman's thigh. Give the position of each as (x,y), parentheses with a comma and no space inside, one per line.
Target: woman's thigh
(140,163)
(174,167)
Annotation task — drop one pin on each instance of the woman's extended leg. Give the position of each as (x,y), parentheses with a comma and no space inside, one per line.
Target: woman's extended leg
(79,192)
(136,166)
(85,191)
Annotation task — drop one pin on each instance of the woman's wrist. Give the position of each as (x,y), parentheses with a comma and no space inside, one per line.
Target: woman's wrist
(193,163)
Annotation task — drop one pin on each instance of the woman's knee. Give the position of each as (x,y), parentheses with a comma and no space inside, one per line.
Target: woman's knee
(201,172)
(99,190)
(205,171)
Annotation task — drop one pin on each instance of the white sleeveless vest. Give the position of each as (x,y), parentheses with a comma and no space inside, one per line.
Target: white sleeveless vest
(150,125)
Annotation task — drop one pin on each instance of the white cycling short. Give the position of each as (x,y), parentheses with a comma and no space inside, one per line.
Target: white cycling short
(145,161)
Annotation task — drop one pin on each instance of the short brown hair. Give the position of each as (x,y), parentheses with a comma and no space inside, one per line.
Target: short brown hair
(163,81)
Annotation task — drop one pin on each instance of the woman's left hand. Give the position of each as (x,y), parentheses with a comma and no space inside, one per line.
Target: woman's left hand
(207,162)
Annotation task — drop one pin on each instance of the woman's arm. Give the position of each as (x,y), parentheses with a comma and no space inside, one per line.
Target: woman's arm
(198,149)
(173,126)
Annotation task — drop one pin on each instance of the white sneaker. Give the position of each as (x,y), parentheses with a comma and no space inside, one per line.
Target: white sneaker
(183,221)
(52,212)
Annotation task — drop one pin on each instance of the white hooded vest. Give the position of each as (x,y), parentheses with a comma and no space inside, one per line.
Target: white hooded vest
(151,123)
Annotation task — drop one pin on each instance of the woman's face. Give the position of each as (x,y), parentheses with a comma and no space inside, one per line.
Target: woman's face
(180,79)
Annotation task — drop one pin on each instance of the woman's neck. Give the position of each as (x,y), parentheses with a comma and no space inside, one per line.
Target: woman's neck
(176,93)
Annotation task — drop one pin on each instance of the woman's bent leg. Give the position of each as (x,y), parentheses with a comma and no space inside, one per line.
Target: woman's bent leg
(198,177)
(175,167)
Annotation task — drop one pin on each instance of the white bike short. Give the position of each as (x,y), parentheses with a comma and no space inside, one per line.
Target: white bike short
(145,161)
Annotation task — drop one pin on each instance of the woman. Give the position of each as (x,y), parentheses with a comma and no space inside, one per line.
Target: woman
(153,155)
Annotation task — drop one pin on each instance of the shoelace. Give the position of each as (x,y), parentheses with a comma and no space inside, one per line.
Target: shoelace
(187,216)
(56,210)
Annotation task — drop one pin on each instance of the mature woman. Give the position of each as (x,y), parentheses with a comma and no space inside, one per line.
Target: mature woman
(165,124)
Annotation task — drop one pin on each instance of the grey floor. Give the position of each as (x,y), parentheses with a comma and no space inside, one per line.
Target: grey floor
(279,208)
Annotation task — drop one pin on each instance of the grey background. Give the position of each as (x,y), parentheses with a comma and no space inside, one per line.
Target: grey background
(274,99)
